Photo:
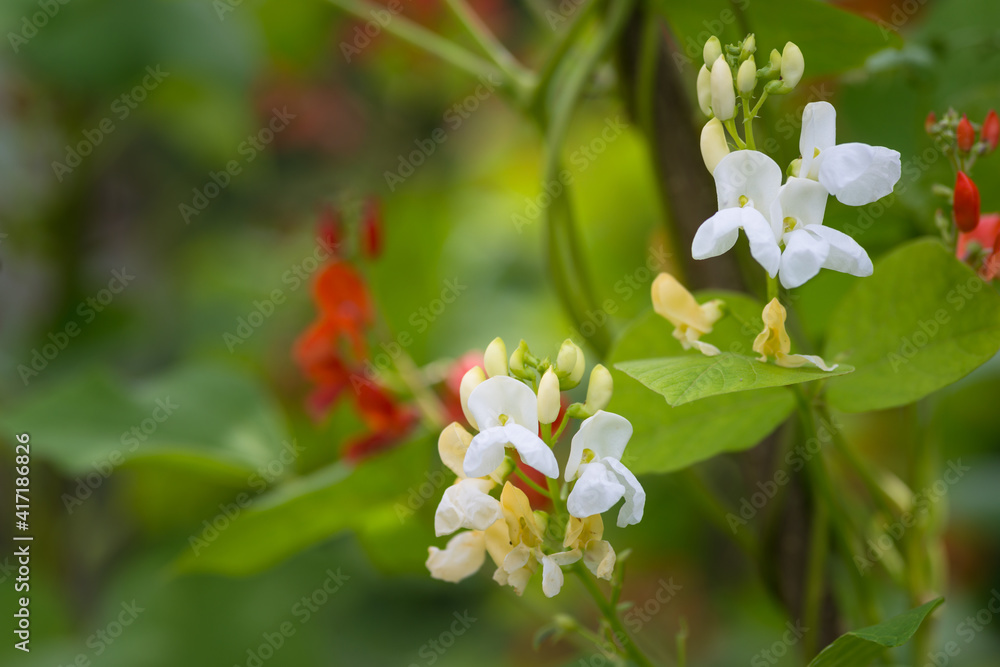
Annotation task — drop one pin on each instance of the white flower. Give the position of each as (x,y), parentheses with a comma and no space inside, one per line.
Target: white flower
(552,574)
(602,481)
(747,184)
(854,173)
(467,504)
(808,245)
(462,557)
(506,411)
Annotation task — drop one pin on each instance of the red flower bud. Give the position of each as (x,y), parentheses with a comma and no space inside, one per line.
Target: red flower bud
(330,228)
(966,135)
(991,130)
(929,122)
(966,204)
(371,228)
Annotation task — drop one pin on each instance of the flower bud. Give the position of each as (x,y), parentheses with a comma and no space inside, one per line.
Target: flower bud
(517,361)
(713,144)
(749,47)
(569,352)
(371,228)
(775,60)
(794,167)
(990,133)
(965,134)
(472,379)
(705,90)
(723,95)
(746,78)
(792,65)
(495,358)
(600,389)
(929,122)
(966,203)
(712,50)
(453,443)
(548,397)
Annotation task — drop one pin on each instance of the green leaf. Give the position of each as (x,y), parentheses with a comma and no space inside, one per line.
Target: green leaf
(921,322)
(672,438)
(211,418)
(860,647)
(691,377)
(310,510)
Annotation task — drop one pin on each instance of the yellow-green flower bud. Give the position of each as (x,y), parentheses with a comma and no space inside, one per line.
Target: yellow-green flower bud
(712,50)
(472,379)
(749,47)
(792,65)
(775,60)
(723,94)
(705,90)
(548,397)
(600,389)
(713,144)
(746,78)
(566,360)
(517,361)
(495,358)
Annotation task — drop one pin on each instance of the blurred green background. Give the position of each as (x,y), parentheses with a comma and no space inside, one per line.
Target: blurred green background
(225,67)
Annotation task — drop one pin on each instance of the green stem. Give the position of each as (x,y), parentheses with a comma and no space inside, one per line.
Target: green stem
(747,122)
(756,108)
(772,288)
(555,59)
(610,614)
(424,39)
(646,74)
(730,125)
(815,577)
(532,483)
(488,42)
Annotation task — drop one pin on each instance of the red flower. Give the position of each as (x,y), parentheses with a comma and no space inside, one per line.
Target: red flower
(388,422)
(986,234)
(344,303)
(966,204)
(330,228)
(966,135)
(991,130)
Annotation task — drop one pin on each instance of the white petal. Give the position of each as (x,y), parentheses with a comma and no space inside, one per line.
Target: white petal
(600,559)
(486,452)
(595,492)
(858,174)
(635,496)
(552,577)
(803,258)
(796,360)
(707,349)
(819,130)
(503,395)
(605,434)
(846,255)
(802,199)
(517,558)
(532,450)
(461,557)
(467,504)
(749,174)
(719,233)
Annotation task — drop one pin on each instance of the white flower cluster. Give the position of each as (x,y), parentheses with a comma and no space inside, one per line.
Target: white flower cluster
(506,412)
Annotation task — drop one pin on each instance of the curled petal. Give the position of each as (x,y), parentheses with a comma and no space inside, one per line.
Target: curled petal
(719,233)
(462,556)
(453,443)
(635,496)
(803,257)
(486,452)
(797,360)
(552,574)
(858,174)
(600,559)
(605,434)
(503,395)
(595,492)
(845,254)
(466,504)
(532,450)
